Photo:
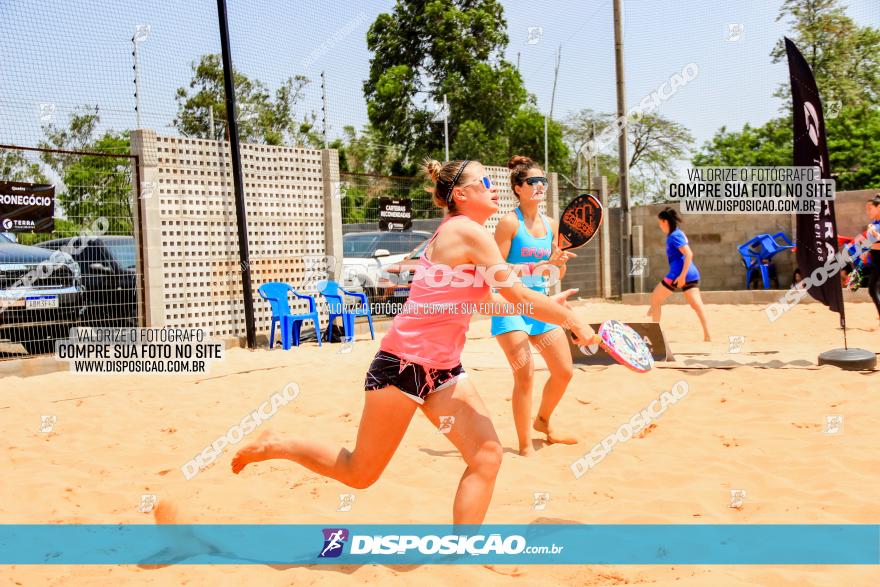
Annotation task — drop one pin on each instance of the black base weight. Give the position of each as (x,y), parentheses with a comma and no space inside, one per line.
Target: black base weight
(849,359)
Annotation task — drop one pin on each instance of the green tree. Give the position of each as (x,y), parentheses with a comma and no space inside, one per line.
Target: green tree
(15,166)
(845,60)
(364,152)
(526,136)
(260,118)
(425,50)
(853,146)
(655,143)
(93,185)
(844,57)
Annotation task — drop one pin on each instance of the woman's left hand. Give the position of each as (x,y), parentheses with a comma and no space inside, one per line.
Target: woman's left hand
(562,298)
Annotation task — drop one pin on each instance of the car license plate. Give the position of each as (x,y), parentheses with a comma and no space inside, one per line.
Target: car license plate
(40,302)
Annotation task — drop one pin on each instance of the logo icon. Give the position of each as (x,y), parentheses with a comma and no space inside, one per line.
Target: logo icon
(347,345)
(446,423)
(47,423)
(734,32)
(638,266)
(7,224)
(737,496)
(334,540)
(542,498)
(735,344)
(147,189)
(47,112)
(141,33)
(832,108)
(148,502)
(535,34)
(833,424)
(811,120)
(346,501)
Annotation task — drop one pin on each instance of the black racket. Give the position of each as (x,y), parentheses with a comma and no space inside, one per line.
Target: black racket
(580,222)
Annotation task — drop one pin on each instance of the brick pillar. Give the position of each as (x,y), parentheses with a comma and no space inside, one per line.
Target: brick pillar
(148,228)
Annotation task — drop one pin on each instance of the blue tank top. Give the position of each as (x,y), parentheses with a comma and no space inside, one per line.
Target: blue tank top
(526,248)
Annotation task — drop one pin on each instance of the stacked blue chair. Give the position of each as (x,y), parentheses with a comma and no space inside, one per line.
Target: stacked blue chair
(277,295)
(335,296)
(757,252)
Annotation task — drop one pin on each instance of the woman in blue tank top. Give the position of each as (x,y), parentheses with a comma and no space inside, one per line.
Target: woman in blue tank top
(527,240)
(683,273)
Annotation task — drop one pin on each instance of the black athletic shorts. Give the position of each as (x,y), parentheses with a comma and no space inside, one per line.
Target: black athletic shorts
(412,379)
(667,283)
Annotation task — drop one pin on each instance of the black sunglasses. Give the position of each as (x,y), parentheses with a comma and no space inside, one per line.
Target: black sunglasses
(536,180)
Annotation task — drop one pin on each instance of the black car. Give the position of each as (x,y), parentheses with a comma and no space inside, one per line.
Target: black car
(108,265)
(40,295)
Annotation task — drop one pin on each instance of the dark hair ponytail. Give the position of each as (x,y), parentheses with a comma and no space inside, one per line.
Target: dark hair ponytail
(875,201)
(670,216)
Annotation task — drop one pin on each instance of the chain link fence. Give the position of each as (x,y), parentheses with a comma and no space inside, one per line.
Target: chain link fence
(83,268)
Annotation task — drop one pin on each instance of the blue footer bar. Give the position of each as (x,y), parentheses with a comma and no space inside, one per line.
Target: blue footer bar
(636,544)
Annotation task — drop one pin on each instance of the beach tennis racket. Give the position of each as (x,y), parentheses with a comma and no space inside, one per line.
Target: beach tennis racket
(623,344)
(580,222)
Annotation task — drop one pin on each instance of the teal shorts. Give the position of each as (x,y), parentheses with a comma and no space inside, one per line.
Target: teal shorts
(532,327)
(527,324)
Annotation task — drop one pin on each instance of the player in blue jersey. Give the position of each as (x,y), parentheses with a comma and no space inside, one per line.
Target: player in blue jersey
(527,240)
(683,273)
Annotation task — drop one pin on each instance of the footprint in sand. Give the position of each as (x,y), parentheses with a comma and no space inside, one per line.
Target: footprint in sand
(646,431)
(514,572)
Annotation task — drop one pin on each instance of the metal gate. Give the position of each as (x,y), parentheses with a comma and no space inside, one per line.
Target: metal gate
(87,270)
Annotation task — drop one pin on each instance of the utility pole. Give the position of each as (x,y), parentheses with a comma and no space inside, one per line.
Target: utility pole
(550,116)
(237,179)
(324,107)
(623,166)
(211,133)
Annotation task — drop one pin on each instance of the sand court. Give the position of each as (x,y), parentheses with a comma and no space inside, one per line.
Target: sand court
(756,420)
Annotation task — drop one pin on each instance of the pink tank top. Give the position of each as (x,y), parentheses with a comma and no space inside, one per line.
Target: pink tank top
(431,329)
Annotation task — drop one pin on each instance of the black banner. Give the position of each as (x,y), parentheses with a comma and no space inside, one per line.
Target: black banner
(816,233)
(26,207)
(395,214)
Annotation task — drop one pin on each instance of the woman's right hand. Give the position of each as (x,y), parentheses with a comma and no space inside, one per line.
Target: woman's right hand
(559,257)
(583,334)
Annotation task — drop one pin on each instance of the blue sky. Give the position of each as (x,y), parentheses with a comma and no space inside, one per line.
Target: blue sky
(72,53)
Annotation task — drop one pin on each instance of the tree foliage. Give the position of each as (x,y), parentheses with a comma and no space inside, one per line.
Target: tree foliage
(93,185)
(15,166)
(262,119)
(845,60)
(844,57)
(655,143)
(425,50)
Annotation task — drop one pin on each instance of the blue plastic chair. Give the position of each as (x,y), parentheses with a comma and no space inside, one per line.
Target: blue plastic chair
(335,296)
(758,251)
(277,295)
(751,258)
(771,244)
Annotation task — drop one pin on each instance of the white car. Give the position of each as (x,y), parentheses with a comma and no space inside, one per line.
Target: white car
(365,254)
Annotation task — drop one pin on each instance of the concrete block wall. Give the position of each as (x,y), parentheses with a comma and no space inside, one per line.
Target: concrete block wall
(714,238)
(192,274)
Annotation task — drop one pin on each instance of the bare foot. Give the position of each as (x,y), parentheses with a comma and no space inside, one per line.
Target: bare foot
(553,436)
(525,451)
(707,338)
(256,451)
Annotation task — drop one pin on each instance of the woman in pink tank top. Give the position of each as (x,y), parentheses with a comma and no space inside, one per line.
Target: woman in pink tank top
(418,364)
